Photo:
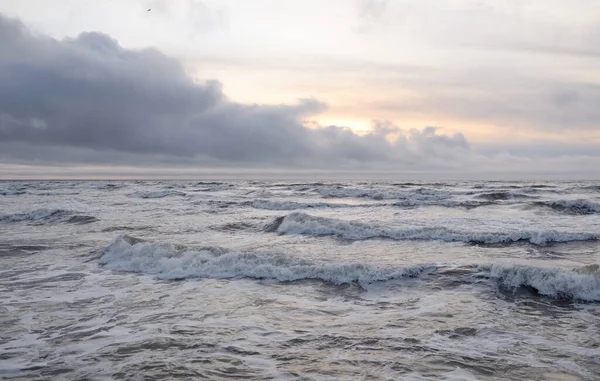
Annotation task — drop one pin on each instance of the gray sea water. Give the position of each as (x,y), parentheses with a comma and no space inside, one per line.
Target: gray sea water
(166,280)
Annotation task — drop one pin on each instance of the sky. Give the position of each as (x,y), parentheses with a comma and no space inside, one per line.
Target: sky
(428,88)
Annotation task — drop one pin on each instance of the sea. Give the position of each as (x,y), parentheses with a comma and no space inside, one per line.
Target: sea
(299,280)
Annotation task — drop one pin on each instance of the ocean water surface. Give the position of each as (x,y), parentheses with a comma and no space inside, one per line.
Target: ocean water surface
(266,280)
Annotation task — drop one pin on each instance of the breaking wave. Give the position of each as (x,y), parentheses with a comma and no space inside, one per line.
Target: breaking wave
(168,261)
(48,216)
(580,284)
(571,206)
(301,223)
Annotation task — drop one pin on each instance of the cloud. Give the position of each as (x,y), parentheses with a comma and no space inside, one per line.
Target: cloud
(512,99)
(88,102)
(75,98)
(193,15)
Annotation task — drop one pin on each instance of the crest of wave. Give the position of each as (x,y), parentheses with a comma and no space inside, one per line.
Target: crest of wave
(169,261)
(582,283)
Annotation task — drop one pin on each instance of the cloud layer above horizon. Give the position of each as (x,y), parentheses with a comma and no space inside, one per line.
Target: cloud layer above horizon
(91,93)
(89,100)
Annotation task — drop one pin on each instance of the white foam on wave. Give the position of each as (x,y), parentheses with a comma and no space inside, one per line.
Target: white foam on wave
(168,261)
(579,284)
(301,223)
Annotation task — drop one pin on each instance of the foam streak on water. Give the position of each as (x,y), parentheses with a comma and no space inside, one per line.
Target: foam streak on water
(299,280)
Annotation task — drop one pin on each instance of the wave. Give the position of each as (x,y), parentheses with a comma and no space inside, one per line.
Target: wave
(236,226)
(580,284)
(12,192)
(158,194)
(409,195)
(212,186)
(504,195)
(36,215)
(168,261)
(591,188)
(213,183)
(48,216)
(413,184)
(469,204)
(107,186)
(541,186)
(81,219)
(571,206)
(301,223)
(292,205)
(342,192)
(408,203)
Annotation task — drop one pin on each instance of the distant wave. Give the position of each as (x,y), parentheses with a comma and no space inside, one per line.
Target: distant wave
(571,206)
(158,194)
(590,188)
(469,204)
(301,223)
(169,261)
(218,183)
(11,192)
(503,195)
(292,205)
(211,186)
(501,186)
(425,196)
(107,186)
(36,215)
(47,216)
(343,192)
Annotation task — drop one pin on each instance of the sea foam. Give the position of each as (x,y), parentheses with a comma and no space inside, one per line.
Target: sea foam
(580,284)
(168,261)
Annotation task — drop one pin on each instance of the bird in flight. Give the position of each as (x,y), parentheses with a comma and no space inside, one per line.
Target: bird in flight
(149,9)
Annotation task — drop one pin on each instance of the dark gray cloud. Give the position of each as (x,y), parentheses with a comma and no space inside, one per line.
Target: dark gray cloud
(89,95)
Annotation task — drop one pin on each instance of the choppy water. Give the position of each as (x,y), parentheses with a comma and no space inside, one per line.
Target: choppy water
(300,281)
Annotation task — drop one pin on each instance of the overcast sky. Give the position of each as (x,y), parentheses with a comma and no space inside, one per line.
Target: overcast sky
(455,87)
